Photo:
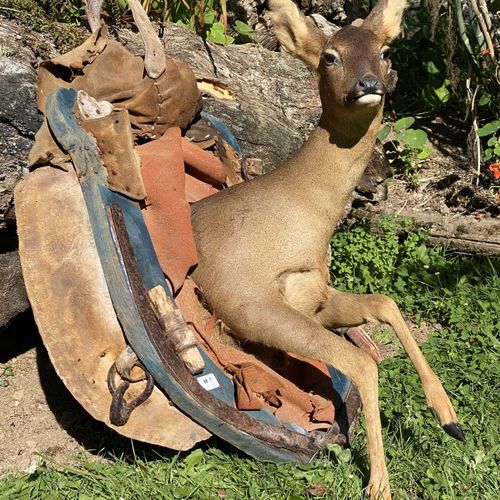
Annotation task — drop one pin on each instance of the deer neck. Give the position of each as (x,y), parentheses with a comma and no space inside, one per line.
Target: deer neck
(331,162)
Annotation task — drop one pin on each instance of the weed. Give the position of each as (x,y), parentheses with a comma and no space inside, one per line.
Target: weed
(5,373)
(492,151)
(406,147)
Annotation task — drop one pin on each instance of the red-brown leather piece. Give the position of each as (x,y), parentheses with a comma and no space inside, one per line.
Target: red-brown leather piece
(202,164)
(302,396)
(167,213)
(197,190)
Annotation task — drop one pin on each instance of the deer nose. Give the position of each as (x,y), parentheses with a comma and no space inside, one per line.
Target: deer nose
(369,84)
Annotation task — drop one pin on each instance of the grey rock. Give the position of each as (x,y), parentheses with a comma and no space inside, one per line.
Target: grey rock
(246,10)
(19,119)
(14,149)
(249,11)
(333,10)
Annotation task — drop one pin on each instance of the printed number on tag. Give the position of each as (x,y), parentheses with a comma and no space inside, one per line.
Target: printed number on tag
(208,382)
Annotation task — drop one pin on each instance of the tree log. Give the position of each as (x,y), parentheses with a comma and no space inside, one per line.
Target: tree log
(463,233)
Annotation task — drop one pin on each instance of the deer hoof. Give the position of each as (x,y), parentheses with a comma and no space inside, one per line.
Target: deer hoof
(454,430)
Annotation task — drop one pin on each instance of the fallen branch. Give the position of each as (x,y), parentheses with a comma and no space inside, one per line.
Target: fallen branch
(484,30)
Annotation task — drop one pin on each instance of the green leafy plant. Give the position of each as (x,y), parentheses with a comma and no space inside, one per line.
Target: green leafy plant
(217,34)
(208,18)
(407,147)
(393,264)
(436,96)
(5,373)
(492,151)
(246,34)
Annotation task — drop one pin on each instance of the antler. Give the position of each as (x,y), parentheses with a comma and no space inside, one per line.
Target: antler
(94,16)
(154,59)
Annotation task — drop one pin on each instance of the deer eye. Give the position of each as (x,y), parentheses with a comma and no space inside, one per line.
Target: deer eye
(385,54)
(330,58)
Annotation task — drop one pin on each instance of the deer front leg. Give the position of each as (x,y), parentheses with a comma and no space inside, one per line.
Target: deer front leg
(277,325)
(348,309)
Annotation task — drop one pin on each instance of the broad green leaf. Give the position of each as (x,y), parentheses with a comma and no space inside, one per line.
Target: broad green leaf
(443,94)
(384,132)
(404,123)
(345,455)
(183,24)
(425,153)
(429,95)
(436,96)
(413,138)
(243,28)
(334,448)
(194,458)
(431,68)
(217,35)
(489,128)
(485,100)
(209,16)
(492,140)
(217,28)
(8,372)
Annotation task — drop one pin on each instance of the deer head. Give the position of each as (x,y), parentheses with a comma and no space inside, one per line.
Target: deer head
(353,64)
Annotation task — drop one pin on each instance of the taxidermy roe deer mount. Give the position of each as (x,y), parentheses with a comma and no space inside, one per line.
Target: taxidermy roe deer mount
(263,245)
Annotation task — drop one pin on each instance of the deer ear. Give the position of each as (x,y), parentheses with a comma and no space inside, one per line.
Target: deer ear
(385,19)
(296,34)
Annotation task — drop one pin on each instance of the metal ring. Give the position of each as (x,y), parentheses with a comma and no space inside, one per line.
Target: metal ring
(120,410)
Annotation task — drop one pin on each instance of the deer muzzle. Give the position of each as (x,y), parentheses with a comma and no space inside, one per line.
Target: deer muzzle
(369,90)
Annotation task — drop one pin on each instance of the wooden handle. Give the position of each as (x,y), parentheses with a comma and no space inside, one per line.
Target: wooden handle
(176,328)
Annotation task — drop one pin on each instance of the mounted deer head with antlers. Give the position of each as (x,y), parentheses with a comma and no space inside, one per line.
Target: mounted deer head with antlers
(263,245)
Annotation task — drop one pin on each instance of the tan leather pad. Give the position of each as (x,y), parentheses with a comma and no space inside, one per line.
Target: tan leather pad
(116,145)
(73,310)
(105,70)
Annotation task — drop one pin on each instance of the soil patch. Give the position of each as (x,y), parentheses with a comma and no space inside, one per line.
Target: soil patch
(40,418)
(444,197)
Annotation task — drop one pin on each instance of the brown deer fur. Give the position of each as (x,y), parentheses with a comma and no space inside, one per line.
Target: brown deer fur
(263,245)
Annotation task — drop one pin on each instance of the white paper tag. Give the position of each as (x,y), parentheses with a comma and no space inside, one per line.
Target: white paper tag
(208,382)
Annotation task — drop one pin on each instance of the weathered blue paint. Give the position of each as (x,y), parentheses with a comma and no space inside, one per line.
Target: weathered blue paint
(223,130)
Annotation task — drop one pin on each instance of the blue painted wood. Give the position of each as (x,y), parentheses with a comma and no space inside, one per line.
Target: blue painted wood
(92,174)
(223,130)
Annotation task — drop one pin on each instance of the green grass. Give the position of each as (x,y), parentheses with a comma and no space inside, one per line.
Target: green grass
(461,293)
